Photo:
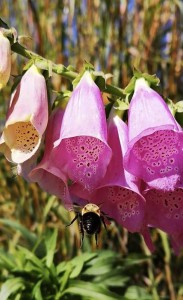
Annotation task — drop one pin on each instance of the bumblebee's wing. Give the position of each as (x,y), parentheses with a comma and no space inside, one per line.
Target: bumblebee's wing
(107,217)
(76,208)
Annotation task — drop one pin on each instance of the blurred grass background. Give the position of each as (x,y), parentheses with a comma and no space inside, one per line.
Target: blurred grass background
(114,36)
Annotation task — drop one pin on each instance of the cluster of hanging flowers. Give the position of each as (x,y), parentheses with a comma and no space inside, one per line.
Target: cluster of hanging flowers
(134,168)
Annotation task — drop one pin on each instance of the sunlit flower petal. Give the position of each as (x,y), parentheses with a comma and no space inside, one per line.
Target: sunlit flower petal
(5,60)
(26,119)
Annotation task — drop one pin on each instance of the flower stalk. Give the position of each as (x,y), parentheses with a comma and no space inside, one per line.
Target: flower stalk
(59,68)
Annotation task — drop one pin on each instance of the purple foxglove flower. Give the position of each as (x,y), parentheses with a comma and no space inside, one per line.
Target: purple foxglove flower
(164,210)
(155,140)
(5,60)
(26,119)
(83,138)
(48,173)
(118,194)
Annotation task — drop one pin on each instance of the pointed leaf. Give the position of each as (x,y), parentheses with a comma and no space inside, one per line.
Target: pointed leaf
(10,287)
(51,241)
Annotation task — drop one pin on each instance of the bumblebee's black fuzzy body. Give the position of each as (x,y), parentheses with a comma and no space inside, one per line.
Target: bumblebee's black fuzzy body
(91,223)
(90,220)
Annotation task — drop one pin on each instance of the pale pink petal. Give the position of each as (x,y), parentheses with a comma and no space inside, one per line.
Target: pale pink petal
(83,138)
(49,172)
(5,60)
(27,117)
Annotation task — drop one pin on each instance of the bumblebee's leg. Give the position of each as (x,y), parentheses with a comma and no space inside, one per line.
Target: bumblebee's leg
(75,218)
(81,229)
(103,222)
(96,239)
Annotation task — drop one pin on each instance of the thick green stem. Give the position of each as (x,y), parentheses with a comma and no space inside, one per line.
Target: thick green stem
(59,68)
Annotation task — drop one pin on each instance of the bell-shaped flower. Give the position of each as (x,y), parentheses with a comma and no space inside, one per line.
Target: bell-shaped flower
(26,167)
(164,210)
(26,119)
(118,194)
(83,137)
(155,149)
(5,60)
(48,173)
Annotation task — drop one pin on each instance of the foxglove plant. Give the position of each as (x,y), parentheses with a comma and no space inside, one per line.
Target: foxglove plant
(82,144)
(155,146)
(5,59)
(48,173)
(27,118)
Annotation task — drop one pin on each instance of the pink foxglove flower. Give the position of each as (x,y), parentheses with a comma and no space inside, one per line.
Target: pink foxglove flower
(118,194)
(155,140)
(83,138)
(26,119)
(5,60)
(48,173)
(164,210)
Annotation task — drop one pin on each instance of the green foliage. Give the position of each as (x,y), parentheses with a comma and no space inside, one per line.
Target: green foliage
(92,275)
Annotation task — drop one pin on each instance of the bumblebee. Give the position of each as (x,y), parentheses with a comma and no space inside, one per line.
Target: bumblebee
(90,220)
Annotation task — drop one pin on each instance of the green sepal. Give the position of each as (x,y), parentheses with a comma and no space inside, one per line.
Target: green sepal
(3,24)
(86,67)
(100,79)
(121,105)
(62,99)
(152,80)
(179,106)
(171,105)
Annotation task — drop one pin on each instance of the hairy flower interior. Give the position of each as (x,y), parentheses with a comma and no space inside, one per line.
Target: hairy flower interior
(21,136)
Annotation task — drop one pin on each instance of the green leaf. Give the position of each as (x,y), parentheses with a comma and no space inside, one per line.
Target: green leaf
(6,260)
(90,291)
(136,292)
(61,267)
(10,287)
(50,241)
(65,278)
(18,297)
(98,270)
(31,237)
(78,262)
(86,257)
(32,258)
(115,281)
(36,292)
